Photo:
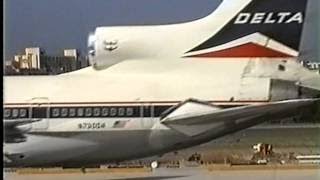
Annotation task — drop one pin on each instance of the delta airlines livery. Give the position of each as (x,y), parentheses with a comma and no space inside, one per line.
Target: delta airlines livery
(163,88)
(243,28)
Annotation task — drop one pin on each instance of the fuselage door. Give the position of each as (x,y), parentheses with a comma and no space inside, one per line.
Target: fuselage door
(40,110)
(147,115)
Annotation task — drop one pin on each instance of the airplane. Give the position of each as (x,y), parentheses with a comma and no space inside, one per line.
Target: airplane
(142,98)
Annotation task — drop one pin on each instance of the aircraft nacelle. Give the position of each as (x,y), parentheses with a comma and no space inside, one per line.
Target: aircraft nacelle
(111,45)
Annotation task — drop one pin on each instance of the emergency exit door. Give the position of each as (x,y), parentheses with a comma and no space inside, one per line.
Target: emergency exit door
(39,110)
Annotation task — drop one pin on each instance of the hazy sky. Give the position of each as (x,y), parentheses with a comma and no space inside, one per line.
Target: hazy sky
(58,24)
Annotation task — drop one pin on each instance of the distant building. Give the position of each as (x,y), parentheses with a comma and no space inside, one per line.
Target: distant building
(29,60)
(71,53)
(58,64)
(81,61)
(35,61)
(33,55)
(23,62)
(9,68)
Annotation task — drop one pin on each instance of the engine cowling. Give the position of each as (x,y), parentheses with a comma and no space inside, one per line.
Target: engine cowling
(111,45)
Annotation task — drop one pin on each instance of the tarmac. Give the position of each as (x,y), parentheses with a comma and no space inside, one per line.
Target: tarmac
(187,173)
(285,140)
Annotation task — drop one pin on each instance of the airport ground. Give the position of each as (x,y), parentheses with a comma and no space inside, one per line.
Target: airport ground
(301,139)
(310,173)
(287,140)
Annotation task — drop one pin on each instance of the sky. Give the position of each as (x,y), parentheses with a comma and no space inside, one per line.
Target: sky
(58,24)
(55,25)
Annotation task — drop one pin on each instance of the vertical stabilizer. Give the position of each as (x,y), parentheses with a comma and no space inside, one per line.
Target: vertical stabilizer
(263,28)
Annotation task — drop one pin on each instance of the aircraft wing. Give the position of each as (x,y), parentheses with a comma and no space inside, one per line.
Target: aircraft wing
(312,83)
(15,123)
(15,129)
(193,118)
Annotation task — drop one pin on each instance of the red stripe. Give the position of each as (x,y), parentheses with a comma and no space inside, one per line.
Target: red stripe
(246,50)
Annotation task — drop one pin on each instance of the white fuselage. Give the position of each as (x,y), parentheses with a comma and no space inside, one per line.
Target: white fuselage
(90,117)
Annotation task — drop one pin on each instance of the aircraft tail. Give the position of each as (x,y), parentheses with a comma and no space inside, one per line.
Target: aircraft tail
(263,28)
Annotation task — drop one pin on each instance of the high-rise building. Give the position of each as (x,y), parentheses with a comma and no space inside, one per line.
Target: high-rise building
(58,64)
(35,61)
(33,55)
(71,53)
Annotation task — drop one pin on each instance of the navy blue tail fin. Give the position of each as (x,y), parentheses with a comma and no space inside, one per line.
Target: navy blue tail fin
(264,28)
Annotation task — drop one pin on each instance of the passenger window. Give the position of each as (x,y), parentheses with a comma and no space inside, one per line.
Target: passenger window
(72,112)
(121,111)
(113,111)
(64,112)
(105,111)
(15,113)
(7,113)
(129,111)
(88,112)
(80,112)
(96,112)
(55,112)
(23,113)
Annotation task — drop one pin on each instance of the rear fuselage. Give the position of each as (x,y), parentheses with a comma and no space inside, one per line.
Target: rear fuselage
(92,118)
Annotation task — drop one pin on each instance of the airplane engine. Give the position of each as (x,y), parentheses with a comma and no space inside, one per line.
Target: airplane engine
(100,54)
(108,46)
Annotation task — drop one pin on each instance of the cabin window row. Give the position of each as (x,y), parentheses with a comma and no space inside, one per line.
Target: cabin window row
(60,112)
(135,111)
(15,113)
(93,112)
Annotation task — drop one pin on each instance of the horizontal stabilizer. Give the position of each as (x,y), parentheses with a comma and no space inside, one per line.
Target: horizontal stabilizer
(200,121)
(188,107)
